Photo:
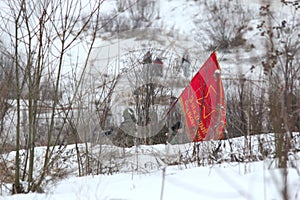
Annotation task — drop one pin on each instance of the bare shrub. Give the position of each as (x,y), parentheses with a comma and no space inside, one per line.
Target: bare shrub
(246,107)
(142,13)
(225,26)
(280,32)
(7,172)
(113,22)
(130,14)
(281,65)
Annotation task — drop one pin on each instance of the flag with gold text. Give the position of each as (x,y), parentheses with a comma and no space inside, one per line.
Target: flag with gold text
(202,103)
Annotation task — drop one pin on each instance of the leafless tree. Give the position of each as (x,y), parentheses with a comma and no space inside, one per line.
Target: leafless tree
(281,66)
(44,34)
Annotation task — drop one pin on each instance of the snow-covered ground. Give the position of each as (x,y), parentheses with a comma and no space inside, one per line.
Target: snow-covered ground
(171,172)
(252,181)
(229,180)
(143,172)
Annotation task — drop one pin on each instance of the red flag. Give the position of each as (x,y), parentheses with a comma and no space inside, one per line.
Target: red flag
(203,103)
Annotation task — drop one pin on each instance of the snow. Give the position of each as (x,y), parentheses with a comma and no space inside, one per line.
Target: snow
(146,172)
(223,181)
(228,180)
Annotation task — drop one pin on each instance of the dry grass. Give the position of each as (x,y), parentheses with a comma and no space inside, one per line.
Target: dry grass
(7,172)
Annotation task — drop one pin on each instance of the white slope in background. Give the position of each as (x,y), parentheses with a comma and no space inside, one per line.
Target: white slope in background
(223,181)
(174,32)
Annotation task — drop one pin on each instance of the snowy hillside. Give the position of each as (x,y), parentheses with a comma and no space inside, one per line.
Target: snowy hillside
(99,83)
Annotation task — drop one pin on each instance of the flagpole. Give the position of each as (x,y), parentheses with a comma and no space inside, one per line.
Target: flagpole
(219,105)
(171,108)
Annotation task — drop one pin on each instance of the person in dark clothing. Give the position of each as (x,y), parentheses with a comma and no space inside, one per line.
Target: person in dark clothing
(124,135)
(147,59)
(175,123)
(183,60)
(185,63)
(176,126)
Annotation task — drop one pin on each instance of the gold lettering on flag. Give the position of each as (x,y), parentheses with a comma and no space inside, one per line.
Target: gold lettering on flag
(203,103)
